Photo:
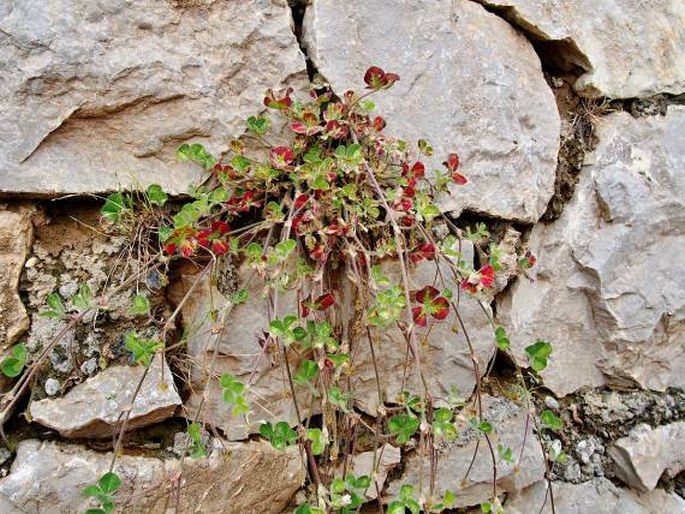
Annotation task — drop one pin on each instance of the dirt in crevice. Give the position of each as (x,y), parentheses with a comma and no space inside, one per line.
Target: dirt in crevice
(298,8)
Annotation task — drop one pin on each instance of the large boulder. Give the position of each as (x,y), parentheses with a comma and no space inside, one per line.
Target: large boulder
(464,466)
(643,456)
(597,495)
(97,96)
(469,83)
(235,477)
(16,234)
(597,36)
(95,408)
(608,289)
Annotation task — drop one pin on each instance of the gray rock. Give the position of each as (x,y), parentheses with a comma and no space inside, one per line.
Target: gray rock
(93,408)
(386,458)
(16,235)
(643,456)
(469,84)
(511,430)
(50,477)
(598,495)
(597,37)
(609,284)
(98,96)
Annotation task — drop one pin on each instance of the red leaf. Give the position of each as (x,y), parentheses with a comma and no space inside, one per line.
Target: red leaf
(424,251)
(378,123)
(220,246)
(300,201)
(335,130)
(220,226)
(170,248)
(187,248)
(487,275)
(374,77)
(441,308)
(458,178)
(324,301)
(452,162)
(278,103)
(304,307)
(390,79)
(427,292)
(203,237)
(419,316)
(281,156)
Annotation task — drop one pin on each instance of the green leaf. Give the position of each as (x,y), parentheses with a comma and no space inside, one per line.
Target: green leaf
(316,436)
(501,339)
(258,125)
(404,426)
(139,305)
(425,148)
(449,499)
(56,310)
(338,486)
(396,508)
(142,349)
(538,354)
(156,195)
(284,249)
(109,483)
(240,296)
(307,372)
(96,511)
(113,208)
(83,299)
(430,211)
(197,154)
(13,366)
(505,453)
(551,421)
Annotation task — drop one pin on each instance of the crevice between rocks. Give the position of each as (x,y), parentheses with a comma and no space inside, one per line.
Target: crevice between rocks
(298,8)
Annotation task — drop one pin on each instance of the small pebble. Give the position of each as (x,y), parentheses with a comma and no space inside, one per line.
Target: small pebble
(551,403)
(52,386)
(31,262)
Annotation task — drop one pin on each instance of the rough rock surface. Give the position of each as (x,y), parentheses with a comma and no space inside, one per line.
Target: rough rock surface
(510,430)
(469,83)
(610,277)
(598,495)
(446,358)
(16,234)
(250,477)
(597,37)
(93,408)
(100,95)
(363,464)
(642,457)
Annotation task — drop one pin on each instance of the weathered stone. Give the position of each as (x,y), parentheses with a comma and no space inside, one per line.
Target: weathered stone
(93,408)
(236,477)
(446,359)
(610,277)
(469,83)
(16,234)
(597,38)
(454,458)
(100,95)
(598,495)
(445,356)
(643,456)
(387,456)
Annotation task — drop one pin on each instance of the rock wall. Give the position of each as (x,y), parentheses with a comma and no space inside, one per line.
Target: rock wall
(569,119)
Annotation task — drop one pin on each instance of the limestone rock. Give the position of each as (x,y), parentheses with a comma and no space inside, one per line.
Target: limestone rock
(597,37)
(597,495)
(469,84)
(100,95)
(387,457)
(610,277)
(16,234)
(92,408)
(643,456)
(511,430)
(50,477)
